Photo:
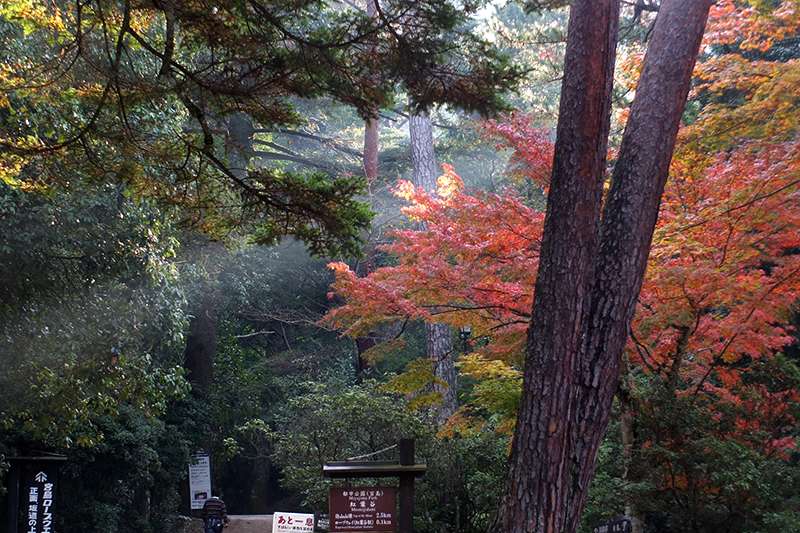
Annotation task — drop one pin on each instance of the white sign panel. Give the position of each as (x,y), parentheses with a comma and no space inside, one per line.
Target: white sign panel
(292,523)
(199,481)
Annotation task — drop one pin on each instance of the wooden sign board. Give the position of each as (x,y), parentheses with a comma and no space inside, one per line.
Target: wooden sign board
(362,509)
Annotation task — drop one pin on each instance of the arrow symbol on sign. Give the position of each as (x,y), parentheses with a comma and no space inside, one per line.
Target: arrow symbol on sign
(41,477)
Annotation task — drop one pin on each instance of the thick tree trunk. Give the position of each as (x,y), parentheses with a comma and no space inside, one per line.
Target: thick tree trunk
(629,217)
(587,288)
(439,336)
(538,494)
(423,154)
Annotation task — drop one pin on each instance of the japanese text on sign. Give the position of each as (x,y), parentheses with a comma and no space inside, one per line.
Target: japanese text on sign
(39,501)
(615,525)
(199,481)
(368,509)
(292,523)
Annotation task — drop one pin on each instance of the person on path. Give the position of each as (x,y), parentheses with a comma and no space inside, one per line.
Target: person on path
(215,515)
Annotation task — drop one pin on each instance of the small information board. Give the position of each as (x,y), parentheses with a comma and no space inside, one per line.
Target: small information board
(199,480)
(615,525)
(368,509)
(292,522)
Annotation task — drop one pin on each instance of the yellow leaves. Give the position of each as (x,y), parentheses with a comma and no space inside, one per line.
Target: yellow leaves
(757,26)
(142,20)
(10,167)
(405,190)
(769,108)
(416,383)
(33,15)
(449,183)
(630,65)
(478,367)
(383,350)
(497,390)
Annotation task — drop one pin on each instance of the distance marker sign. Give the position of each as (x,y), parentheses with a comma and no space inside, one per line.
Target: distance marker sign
(367,509)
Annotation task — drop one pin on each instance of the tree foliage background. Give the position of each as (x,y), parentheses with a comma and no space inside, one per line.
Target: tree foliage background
(175,177)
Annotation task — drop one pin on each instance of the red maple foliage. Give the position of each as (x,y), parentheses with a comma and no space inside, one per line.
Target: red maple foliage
(723,272)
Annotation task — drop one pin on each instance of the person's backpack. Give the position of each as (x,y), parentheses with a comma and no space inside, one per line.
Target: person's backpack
(214,524)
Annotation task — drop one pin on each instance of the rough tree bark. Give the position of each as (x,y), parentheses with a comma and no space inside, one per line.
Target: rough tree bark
(629,218)
(589,280)
(439,337)
(535,498)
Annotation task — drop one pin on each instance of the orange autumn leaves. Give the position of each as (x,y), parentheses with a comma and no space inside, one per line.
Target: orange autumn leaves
(473,264)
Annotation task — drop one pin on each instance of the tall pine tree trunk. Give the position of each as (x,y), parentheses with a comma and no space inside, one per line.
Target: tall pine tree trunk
(538,495)
(371,137)
(589,280)
(439,337)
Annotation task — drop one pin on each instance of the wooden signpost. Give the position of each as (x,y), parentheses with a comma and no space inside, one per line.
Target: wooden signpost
(349,507)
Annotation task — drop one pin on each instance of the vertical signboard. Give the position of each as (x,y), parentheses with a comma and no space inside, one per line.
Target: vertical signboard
(37,499)
(199,480)
(362,509)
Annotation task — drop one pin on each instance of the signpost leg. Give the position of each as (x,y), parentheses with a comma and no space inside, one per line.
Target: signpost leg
(13,498)
(406,521)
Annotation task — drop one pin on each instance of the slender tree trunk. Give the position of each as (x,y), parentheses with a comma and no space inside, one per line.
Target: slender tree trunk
(587,287)
(370,162)
(371,147)
(439,337)
(201,345)
(627,423)
(371,132)
(627,418)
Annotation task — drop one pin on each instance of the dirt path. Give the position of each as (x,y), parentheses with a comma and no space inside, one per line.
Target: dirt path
(249,524)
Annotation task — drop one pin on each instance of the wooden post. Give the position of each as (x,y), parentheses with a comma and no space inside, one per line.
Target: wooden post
(13,498)
(406,521)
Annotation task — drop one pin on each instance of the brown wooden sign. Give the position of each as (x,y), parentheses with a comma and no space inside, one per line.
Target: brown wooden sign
(365,509)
